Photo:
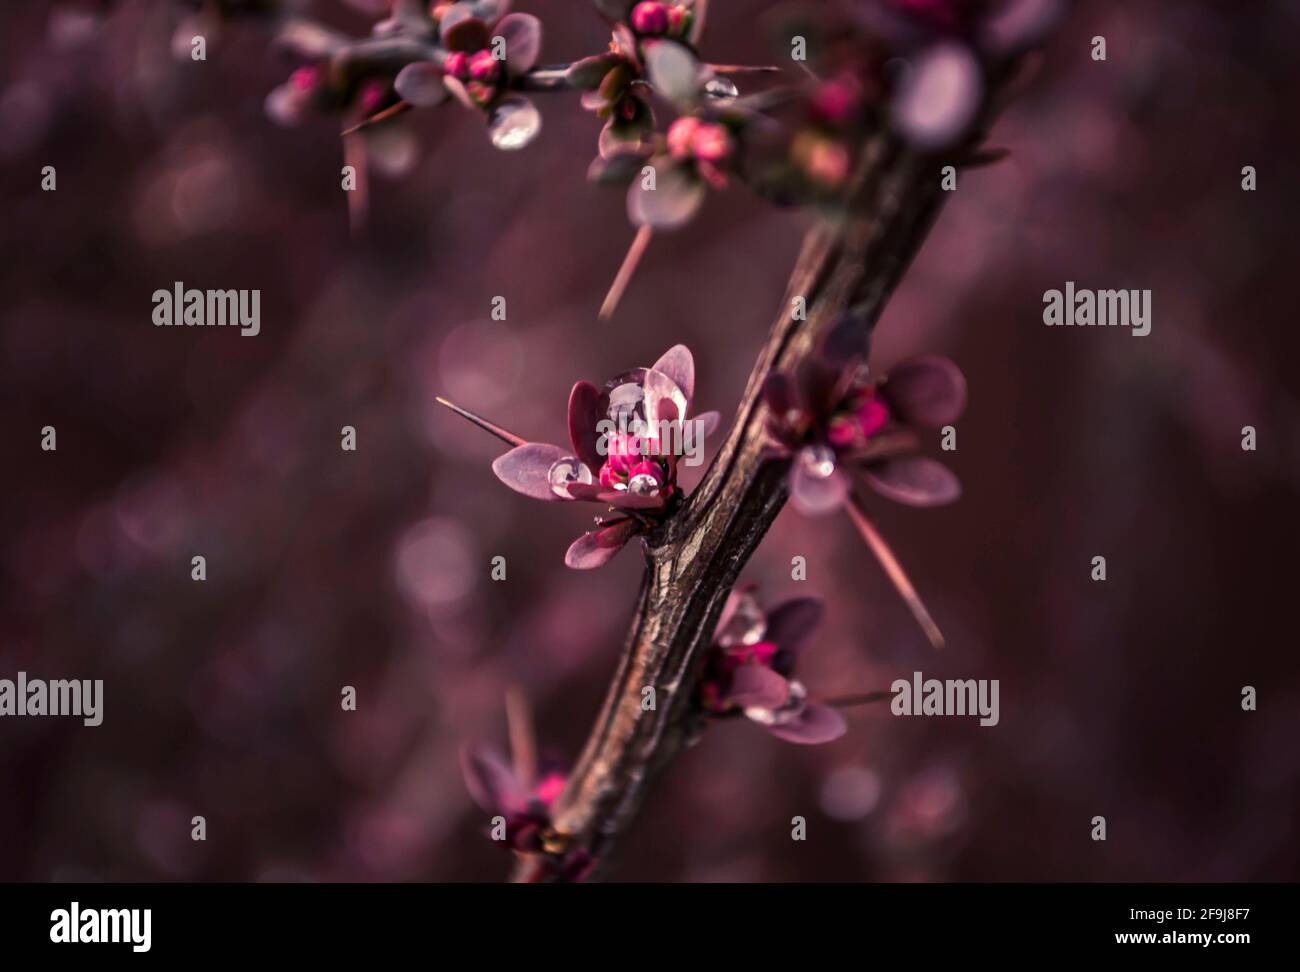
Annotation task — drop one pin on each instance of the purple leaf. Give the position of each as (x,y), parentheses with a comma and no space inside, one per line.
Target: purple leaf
(527,469)
(937,100)
(310,40)
(708,422)
(675,198)
(624,39)
(461,30)
(587,73)
(489,10)
(757,686)
(619,167)
(815,495)
(491,781)
(617,139)
(597,548)
(665,399)
(421,84)
(622,134)
(816,724)
(819,383)
(584,417)
(458,91)
(735,598)
(672,69)
(914,480)
(627,500)
(595,493)
(779,394)
(284,105)
(678,364)
(1019,24)
(621,498)
(927,391)
(791,623)
(523,36)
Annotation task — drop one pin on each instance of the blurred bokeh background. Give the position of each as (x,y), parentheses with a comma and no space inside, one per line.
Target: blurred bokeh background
(329,568)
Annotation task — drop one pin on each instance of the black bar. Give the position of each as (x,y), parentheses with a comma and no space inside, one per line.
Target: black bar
(488,923)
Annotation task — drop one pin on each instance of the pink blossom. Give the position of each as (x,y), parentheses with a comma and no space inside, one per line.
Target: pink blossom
(649,18)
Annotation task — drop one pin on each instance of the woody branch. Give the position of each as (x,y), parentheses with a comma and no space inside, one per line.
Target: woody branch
(693,561)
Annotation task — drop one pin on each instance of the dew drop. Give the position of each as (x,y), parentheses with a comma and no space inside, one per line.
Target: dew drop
(789,712)
(818,459)
(564,472)
(643,484)
(721,88)
(514,123)
(746,625)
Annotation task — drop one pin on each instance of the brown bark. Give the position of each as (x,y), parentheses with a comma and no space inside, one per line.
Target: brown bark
(693,561)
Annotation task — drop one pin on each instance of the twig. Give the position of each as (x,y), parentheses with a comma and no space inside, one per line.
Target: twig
(693,560)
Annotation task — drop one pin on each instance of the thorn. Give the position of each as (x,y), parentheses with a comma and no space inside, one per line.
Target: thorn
(984,157)
(624,276)
(392,111)
(523,739)
(809,71)
(744,68)
(354,154)
(866,698)
(483,423)
(895,572)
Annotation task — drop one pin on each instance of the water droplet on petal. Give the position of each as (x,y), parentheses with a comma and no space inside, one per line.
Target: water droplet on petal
(746,625)
(565,471)
(787,713)
(818,459)
(514,123)
(632,400)
(643,484)
(721,88)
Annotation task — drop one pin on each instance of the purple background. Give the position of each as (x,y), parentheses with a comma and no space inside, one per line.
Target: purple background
(328,568)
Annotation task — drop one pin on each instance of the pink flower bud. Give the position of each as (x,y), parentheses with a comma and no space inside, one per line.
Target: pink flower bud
(843,431)
(835,102)
(649,468)
(681,136)
(481,93)
(372,95)
(649,18)
(304,80)
(941,13)
(758,654)
(549,787)
(711,142)
(457,65)
(824,160)
(872,415)
(483,66)
(676,21)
